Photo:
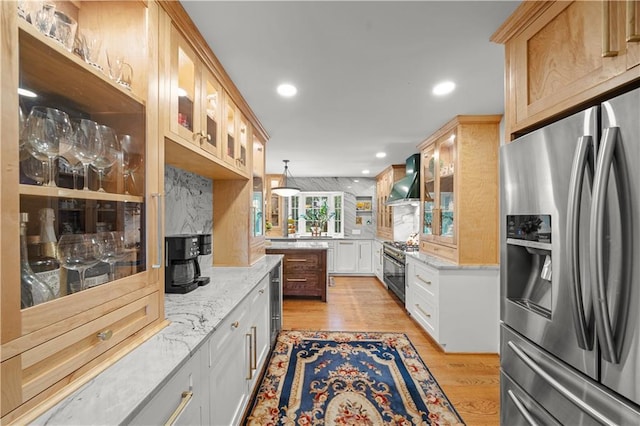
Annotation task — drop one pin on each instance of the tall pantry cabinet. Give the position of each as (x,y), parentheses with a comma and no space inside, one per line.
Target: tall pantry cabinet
(51,348)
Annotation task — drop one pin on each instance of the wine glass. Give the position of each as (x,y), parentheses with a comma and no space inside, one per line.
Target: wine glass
(34,169)
(73,164)
(109,153)
(79,252)
(112,250)
(86,146)
(131,160)
(45,128)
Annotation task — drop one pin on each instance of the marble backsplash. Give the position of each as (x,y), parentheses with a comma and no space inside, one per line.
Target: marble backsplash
(188,205)
(406,221)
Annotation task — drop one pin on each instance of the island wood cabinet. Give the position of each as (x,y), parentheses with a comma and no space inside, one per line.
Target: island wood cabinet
(219,141)
(458,307)
(560,54)
(384,183)
(52,348)
(459,191)
(304,272)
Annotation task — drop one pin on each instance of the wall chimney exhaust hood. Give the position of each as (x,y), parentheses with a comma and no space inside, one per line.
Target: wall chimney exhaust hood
(407,190)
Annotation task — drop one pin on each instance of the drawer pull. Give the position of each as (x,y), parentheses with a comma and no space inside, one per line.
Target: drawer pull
(428,315)
(254,346)
(261,291)
(250,364)
(423,280)
(105,335)
(296,260)
(186,398)
(235,324)
(297,280)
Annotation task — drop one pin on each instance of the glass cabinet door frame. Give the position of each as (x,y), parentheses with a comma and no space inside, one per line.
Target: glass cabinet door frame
(188,131)
(204,136)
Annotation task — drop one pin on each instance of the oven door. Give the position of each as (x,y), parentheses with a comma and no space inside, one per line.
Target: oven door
(393,275)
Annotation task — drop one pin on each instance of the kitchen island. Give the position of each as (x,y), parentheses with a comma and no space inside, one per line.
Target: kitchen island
(119,393)
(304,267)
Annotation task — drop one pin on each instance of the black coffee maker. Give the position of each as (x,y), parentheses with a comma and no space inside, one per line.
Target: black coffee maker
(182,270)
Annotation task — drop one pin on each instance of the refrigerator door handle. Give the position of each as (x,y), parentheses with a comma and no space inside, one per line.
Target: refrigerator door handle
(582,162)
(611,155)
(521,408)
(575,399)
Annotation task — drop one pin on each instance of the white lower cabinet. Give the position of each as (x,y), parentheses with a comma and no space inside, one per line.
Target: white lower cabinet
(353,257)
(377,259)
(458,307)
(214,386)
(237,352)
(183,400)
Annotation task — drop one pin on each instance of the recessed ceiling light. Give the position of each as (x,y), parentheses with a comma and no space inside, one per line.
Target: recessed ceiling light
(365,172)
(444,88)
(27,93)
(287,90)
(381,154)
(356,180)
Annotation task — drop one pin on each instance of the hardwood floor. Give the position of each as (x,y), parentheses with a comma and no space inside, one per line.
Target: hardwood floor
(471,381)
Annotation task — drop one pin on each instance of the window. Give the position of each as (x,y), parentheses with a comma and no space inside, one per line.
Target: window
(308,205)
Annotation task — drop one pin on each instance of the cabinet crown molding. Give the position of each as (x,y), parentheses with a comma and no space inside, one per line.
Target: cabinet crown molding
(526,13)
(456,121)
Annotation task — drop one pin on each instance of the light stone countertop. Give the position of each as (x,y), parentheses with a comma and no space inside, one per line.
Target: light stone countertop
(441,264)
(117,394)
(305,245)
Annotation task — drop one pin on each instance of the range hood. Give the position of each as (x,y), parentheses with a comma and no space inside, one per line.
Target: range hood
(407,190)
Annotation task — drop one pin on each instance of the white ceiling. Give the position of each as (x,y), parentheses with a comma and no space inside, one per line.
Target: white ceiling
(364,72)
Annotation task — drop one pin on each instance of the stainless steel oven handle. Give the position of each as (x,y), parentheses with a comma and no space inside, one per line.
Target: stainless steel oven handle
(581,163)
(611,150)
(559,387)
(395,262)
(521,408)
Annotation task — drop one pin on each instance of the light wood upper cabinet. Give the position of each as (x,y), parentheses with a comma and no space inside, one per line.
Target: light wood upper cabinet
(459,191)
(274,208)
(51,348)
(560,54)
(384,183)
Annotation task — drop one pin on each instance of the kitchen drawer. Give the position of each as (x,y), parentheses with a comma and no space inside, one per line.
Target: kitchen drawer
(179,401)
(425,282)
(426,313)
(302,285)
(46,364)
(301,262)
(444,252)
(517,405)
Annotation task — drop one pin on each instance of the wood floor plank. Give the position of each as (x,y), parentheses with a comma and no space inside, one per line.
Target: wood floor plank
(471,381)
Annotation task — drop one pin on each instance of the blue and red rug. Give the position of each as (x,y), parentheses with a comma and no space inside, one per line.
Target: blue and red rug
(348,378)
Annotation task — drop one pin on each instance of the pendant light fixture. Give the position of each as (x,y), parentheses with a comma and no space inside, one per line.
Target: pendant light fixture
(285,187)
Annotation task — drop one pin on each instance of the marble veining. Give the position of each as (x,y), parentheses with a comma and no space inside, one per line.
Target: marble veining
(406,220)
(117,394)
(188,205)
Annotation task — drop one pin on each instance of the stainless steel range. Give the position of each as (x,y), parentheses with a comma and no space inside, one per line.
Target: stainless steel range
(393,266)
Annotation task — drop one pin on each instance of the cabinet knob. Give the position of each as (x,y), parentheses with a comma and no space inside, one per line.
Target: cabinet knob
(105,335)
(261,291)
(235,324)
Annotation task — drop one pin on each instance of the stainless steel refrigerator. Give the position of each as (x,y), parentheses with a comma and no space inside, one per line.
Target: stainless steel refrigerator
(570,269)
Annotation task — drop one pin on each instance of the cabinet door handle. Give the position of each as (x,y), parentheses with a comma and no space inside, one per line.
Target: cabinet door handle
(254,352)
(296,260)
(632,35)
(250,370)
(423,280)
(186,399)
(606,31)
(297,280)
(159,244)
(235,324)
(428,315)
(261,291)
(105,335)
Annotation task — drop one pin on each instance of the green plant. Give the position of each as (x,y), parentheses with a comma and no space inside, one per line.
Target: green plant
(318,217)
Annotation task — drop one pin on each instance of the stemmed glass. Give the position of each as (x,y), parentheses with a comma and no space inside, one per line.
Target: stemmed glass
(79,252)
(86,146)
(109,153)
(45,129)
(131,160)
(34,169)
(112,250)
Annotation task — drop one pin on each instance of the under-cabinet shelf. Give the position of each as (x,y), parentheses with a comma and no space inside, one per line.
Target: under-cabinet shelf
(47,191)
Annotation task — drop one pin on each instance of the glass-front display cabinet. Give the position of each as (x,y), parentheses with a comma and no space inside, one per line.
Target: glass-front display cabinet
(257,200)
(79,189)
(438,190)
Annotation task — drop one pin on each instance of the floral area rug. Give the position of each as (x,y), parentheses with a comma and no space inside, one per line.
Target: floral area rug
(348,378)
